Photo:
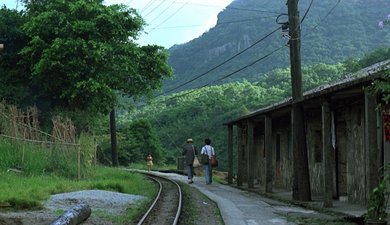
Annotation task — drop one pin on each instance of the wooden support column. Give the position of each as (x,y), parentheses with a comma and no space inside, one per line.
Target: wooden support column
(230,153)
(250,155)
(370,140)
(268,154)
(328,152)
(239,155)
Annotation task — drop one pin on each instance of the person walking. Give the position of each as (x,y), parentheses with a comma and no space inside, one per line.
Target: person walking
(149,161)
(208,150)
(189,151)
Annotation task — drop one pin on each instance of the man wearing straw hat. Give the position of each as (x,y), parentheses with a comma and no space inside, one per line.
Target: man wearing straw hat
(189,151)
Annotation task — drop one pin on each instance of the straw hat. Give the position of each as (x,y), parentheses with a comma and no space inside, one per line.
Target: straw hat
(189,140)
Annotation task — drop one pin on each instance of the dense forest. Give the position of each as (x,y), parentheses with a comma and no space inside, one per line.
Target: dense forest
(201,113)
(41,67)
(332,32)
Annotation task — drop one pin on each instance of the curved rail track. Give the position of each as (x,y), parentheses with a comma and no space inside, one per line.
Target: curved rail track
(166,208)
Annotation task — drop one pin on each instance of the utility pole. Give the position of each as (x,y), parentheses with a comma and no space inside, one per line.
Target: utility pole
(301,182)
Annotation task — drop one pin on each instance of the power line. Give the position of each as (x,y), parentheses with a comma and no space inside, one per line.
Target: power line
(173,14)
(224,62)
(254,62)
(167,134)
(219,65)
(156,7)
(252,10)
(228,75)
(151,2)
(163,11)
(219,23)
(307,11)
(323,18)
(249,65)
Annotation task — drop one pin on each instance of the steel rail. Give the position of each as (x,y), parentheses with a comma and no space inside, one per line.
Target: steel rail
(178,210)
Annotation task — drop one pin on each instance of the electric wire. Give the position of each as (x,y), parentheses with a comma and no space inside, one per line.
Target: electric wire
(219,23)
(226,76)
(258,60)
(248,65)
(151,2)
(307,11)
(219,65)
(224,62)
(162,12)
(167,134)
(323,18)
(266,56)
(156,7)
(173,14)
(252,10)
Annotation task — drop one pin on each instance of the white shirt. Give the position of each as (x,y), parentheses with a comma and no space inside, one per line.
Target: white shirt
(208,149)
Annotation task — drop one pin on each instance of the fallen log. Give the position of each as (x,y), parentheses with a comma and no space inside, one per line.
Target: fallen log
(74,216)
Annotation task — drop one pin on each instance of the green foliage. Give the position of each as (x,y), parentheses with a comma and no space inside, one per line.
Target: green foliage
(24,191)
(14,77)
(379,198)
(201,113)
(76,56)
(378,203)
(136,139)
(349,31)
(381,87)
(39,160)
(74,45)
(378,55)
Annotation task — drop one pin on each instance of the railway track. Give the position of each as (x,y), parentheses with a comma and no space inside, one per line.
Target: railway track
(166,207)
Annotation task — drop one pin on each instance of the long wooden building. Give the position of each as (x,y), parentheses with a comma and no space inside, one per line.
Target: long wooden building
(345,137)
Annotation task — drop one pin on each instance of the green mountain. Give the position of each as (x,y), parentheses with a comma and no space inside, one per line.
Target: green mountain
(332,31)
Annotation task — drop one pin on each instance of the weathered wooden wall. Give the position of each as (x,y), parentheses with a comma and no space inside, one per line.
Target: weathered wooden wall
(356,171)
(260,163)
(314,148)
(282,158)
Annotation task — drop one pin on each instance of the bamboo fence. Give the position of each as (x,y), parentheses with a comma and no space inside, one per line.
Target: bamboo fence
(23,127)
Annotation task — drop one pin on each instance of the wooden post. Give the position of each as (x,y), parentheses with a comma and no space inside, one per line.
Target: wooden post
(250,155)
(268,154)
(114,150)
(371,141)
(78,162)
(230,153)
(301,181)
(239,156)
(327,154)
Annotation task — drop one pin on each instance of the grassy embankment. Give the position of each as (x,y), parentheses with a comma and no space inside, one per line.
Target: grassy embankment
(30,174)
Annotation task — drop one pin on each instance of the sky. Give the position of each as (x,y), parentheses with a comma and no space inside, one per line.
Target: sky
(169,21)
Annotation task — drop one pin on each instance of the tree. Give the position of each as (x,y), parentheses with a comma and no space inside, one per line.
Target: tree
(82,54)
(14,77)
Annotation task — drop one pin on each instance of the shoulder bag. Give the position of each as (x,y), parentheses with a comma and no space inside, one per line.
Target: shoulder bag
(204,157)
(196,161)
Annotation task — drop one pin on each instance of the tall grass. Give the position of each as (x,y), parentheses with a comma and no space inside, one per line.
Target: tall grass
(37,159)
(28,192)
(30,174)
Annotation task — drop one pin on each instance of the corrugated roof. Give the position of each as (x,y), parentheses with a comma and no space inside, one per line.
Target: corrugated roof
(362,76)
